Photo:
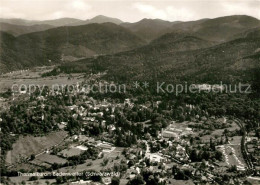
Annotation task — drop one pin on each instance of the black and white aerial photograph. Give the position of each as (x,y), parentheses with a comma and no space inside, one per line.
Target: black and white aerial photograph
(129,92)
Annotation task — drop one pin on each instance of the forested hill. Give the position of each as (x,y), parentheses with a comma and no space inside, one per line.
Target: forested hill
(219,29)
(56,45)
(228,62)
(168,45)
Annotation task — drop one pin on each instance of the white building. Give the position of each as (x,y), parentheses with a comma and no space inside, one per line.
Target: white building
(169,134)
(156,158)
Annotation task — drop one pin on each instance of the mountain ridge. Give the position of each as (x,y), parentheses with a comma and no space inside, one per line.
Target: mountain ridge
(184,42)
(229,62)
(58,44)
(17,30)
(53,22)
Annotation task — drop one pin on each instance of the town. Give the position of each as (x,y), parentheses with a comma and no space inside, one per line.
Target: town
(137,140)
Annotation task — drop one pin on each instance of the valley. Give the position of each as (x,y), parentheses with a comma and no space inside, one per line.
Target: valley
(79,101)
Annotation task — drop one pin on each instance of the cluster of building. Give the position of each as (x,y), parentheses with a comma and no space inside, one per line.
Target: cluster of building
(208,87)
(172,132)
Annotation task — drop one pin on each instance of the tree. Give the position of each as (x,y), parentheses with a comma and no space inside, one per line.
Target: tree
(58,180)
(174,169)
(130,163)
(212,145)
(96,178)
(218,155)
(225,177)
(105,161)
(32,157)
(55,166)
(115,181)
(181,176)
(256,81)
(182,118)
(193,156)
(33,178)
(191,141)
(138,180)
(205,155)
(152,180)
(233,168)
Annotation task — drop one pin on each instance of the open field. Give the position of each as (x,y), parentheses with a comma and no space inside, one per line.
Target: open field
(181,125)
(218,132)
(28,73)
(25,146)
(24,166)
(96,164)
(70,152)
(236,140)
(181,182)
(50,159)
(19,179)
(6,83)
(33,77)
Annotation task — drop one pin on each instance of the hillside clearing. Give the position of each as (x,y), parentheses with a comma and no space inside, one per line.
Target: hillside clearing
(28,145)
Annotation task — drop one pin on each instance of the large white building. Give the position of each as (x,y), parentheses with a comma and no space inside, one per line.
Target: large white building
(156,157)
(170,134)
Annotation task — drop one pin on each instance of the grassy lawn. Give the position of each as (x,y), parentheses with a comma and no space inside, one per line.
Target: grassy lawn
(70,152)
(236,140)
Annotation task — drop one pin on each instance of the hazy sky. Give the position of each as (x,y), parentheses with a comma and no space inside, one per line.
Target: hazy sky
(127,10)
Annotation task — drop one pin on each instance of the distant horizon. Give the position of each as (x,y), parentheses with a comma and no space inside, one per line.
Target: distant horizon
(127,10)
(123,20)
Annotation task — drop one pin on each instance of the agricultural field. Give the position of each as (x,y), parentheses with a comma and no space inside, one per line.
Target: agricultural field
(180,182)
(28,145)
(49,159)
(24,166)
(19,179)
(33,77)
